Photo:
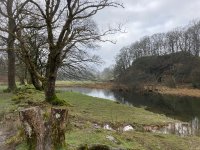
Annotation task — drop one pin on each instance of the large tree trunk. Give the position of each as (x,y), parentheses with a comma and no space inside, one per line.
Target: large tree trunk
(11,67)
(10,47)
(51,74)
(50,94)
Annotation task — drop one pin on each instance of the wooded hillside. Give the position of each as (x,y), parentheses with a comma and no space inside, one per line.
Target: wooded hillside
(171,69)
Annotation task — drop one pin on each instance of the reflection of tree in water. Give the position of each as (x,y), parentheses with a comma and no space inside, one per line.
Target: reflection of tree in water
(84,90)
(183,108)
(107,93)
(119,96)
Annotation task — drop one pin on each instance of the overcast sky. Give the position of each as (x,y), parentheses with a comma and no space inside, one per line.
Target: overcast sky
(143,17)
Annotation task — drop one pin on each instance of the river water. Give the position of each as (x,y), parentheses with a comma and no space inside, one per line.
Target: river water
(185,109)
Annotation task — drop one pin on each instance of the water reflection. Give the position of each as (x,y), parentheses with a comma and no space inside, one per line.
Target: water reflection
(186,109)
(182,108)
(100,93)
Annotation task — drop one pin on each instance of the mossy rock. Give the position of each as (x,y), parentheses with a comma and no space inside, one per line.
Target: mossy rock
(57,102)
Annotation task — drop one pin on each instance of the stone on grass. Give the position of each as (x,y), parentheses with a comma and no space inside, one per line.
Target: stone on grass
(107,127)
(111,138)
(96,126)
(128,128)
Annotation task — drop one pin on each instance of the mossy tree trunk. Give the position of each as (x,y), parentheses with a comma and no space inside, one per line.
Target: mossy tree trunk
(58,119)
(51,73)
(35,81)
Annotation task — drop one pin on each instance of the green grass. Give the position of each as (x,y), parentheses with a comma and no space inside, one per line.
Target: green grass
(88,108)
(102,111)
(6,103)
(85,111)
(131,140)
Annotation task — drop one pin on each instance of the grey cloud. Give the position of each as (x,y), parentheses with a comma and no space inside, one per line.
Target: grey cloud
(144,17)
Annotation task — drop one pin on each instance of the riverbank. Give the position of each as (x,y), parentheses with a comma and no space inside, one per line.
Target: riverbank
(92,84)
(179,91)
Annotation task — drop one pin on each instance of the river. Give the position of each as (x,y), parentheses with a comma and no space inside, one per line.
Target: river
(186,109)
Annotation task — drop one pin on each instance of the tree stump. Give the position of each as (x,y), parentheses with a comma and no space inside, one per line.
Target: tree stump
(58,120)
(44,135)
(32,121)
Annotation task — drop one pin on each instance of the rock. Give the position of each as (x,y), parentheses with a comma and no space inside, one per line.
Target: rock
(128,128)
(107,127)
(96,126)
(111,138)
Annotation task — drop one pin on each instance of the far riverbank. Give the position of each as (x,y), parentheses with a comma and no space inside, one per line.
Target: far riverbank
(179,91)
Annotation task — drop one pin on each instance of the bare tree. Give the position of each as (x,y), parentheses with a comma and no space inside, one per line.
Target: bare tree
(185,39)
(9,12)
(172,38)
(145,45)
(185,42)
(158,44)
(107,74)
(123,61)
(69,27)
(194,31)
(31,50)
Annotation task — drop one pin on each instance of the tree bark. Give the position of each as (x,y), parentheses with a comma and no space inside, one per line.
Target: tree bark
(51,74)
(22,80)
(11,67)
(32,121)
(58,120)
(50,94)
(10,47)
(35,81)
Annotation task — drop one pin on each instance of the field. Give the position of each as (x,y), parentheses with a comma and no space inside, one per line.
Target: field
(86,112)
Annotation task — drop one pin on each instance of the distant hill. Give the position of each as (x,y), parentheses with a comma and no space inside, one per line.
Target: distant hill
(171,69)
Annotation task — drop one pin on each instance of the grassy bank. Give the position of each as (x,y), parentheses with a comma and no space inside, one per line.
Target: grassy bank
(86,111)
(131,140)
(106,111)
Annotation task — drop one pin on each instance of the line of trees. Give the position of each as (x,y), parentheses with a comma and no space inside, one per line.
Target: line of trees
(49,35)
(185,39)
